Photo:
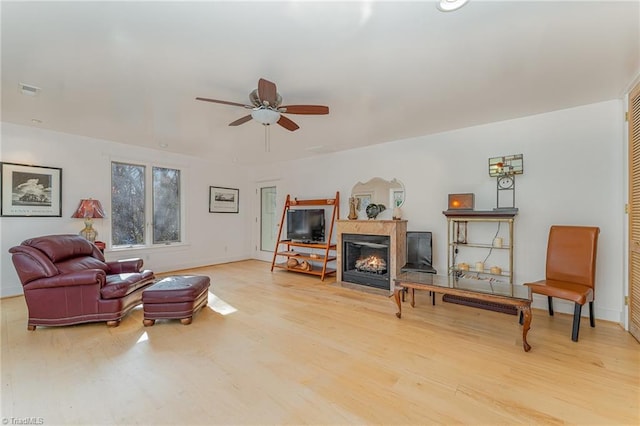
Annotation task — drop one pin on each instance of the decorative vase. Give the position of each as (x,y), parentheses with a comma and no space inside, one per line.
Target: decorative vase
(353,208)
(397,213)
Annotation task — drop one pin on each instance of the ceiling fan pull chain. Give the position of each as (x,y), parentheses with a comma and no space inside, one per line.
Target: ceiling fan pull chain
(267,138)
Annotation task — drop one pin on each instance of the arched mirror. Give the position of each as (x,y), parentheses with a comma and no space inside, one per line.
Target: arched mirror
(379,191)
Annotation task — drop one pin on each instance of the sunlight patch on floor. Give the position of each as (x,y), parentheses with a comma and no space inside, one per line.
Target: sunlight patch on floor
(220,306)
(143,338)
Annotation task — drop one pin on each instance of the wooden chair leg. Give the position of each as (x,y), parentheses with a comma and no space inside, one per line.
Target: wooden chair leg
(577,311)
(521,319)
(550,299)
(592,319)
(433,298)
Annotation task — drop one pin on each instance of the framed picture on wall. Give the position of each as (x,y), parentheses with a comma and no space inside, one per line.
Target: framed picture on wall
(223,200)
(364,199)
(30,191)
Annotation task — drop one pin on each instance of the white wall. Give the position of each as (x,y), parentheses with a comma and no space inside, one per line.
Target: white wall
(85,162)
(573,174)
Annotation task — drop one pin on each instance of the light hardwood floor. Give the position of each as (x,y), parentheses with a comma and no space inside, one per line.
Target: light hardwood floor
(286,348)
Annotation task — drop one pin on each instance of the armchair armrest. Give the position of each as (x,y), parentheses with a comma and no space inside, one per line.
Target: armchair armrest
(125,266)
(78,278)
(31,264)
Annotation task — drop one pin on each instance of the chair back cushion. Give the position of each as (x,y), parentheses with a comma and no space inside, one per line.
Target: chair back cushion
(69,253)
(571,254)
(61,247)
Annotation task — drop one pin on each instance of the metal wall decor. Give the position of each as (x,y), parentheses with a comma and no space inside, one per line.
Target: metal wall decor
(504,170)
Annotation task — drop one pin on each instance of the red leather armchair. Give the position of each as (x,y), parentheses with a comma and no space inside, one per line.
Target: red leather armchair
(66,280)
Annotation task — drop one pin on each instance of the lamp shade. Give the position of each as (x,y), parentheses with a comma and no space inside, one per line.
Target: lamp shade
(89,208)
(265,116)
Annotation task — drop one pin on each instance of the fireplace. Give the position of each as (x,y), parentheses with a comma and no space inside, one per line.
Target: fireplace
(374,236)
(365,260)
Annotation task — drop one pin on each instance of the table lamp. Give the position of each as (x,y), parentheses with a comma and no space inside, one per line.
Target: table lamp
(88,210)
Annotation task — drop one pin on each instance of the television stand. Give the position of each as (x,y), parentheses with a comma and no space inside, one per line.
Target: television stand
(307,261)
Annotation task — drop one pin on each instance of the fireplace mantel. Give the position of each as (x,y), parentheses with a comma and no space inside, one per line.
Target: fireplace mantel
(396,230)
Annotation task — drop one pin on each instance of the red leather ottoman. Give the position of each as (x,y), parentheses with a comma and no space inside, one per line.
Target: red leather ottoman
(176,297)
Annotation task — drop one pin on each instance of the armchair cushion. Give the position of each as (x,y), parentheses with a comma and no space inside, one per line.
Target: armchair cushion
(81,263)
(119,285)
(573,292)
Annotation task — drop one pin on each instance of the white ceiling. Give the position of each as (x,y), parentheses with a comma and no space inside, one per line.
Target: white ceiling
(129,71)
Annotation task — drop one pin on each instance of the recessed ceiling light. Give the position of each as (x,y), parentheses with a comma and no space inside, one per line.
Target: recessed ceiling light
(36,121)
(27,89)
(451,5)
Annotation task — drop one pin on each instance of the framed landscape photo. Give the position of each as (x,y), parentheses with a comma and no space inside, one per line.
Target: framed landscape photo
(27,190)
(223,200)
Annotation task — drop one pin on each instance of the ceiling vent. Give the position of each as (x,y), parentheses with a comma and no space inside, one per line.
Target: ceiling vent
(27,89)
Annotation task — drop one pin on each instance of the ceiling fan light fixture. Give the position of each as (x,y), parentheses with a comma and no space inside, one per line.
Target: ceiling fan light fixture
(451,5)
(265,116)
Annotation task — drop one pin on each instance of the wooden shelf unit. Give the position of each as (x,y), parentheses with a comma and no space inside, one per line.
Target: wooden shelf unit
(284,248)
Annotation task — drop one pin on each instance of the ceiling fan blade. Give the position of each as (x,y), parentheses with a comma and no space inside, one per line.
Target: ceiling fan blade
(267,91)
(287,123)
(241,120)
(304,109)
(223,102)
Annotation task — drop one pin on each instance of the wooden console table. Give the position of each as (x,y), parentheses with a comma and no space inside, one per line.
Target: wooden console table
(482,290)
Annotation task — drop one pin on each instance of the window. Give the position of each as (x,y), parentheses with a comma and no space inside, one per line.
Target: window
(166,205)
(130,211)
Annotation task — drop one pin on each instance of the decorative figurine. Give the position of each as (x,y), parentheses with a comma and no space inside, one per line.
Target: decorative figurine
(354,205)
(373,210)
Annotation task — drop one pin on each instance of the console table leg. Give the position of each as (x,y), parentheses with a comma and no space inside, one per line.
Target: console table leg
(526,310)
(396,296)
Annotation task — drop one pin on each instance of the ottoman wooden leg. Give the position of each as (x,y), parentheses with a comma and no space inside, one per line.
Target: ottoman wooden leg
(148,322)
(186,321)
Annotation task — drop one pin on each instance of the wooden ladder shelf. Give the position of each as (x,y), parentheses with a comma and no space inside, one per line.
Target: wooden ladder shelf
(307,262)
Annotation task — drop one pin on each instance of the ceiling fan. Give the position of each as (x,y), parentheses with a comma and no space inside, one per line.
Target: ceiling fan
(266,107)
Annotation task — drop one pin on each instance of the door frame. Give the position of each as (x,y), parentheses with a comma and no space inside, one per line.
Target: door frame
(256,249)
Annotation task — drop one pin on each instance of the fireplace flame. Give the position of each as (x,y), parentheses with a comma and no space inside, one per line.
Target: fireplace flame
(371,264)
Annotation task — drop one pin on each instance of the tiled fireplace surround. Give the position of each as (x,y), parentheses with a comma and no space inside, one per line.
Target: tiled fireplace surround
(396,230)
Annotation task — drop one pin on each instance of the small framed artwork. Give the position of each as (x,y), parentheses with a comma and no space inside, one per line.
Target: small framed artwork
(30,191)
(223,200)
(364,199)
(397,197)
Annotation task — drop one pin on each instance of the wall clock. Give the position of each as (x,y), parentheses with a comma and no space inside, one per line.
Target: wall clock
(505,182)
(505,169)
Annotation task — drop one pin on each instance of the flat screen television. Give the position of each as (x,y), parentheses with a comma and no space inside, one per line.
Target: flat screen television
(305,225)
